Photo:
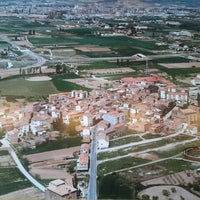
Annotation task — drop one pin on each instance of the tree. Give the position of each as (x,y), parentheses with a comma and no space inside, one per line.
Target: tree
(20,71)
(117,62)
(23,72)
(173,189)
(166,193)
(40,70)
(75,181)
(70,169)
(145,197)
(30,32)
(58,68)
(198,99)
(155,198)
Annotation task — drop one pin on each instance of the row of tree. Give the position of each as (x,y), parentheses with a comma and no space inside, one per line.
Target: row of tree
(32,70)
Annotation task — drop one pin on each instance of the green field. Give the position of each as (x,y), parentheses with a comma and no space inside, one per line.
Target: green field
(22,87)
(119,45)
(11,180)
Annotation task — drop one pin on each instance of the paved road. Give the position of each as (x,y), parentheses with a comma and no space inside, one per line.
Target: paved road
(79,60)
(26,52)
(92,192)
(20,166)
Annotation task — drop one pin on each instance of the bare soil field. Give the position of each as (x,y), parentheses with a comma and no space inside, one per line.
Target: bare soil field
(52,155)
(176,193)
(51,164)
(50,173)
(39,78)
(26,194)
(89,82)
(88,48)
(110,71)
(147,156)
(180,65)
(180,178)
(6,161)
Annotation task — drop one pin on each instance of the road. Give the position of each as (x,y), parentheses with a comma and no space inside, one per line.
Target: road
(92,191)
(20,166)
(80,60)
(26,52)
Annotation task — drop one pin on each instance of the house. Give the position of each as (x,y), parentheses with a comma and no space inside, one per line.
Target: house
(60,190)
(85,148)
(85,132)
(79,94)
(87,119)
(12,136)
(83,162)
(102,140)
(58,97)
(40,123)
(174,93)
(114,117)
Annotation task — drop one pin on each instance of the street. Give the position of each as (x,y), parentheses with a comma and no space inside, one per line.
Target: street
(92,194)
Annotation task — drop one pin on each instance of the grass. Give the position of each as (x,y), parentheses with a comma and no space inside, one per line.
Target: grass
(111,166)
(12,180)
(171,60)
(22,87)
(4,153)
(55,145)
(126,140)
(138,148)
(120,45)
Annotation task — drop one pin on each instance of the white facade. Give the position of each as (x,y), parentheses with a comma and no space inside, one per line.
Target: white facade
(87,120)
(114,118)
(85,132)
(102,144)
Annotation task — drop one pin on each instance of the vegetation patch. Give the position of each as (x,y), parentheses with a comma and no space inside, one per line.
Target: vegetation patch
(115,186)
(122,163)
(60,143)
(22,87)
(11,179)
(126,140)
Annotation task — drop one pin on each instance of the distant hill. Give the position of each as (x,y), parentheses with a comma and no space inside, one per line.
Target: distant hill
(190,3)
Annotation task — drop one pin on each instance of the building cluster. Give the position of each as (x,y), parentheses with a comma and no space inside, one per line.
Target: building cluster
(145,104)
(151,104)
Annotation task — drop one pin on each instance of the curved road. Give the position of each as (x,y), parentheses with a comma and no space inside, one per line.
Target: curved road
(20,166)
(40,60)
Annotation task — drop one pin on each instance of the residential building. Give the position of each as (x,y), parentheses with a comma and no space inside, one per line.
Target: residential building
(60,190)
(102,140)
(114,117)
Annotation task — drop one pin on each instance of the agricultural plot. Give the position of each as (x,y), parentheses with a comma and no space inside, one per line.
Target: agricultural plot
(181,65)
(11,180)
(22,87)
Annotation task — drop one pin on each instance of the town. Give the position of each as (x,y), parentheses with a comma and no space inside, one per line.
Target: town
(99,102)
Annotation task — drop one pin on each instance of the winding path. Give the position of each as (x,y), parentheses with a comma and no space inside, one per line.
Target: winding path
(20,166)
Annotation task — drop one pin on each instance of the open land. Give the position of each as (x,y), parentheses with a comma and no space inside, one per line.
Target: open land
(181,65)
